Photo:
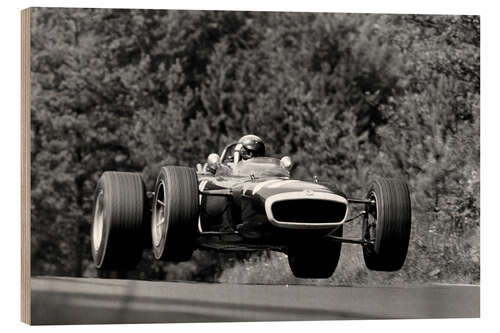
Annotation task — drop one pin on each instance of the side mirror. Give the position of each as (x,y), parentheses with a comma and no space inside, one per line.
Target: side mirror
(213,161)
(286,163)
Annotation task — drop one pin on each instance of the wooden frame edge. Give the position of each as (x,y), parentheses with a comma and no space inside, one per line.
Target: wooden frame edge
(25,167)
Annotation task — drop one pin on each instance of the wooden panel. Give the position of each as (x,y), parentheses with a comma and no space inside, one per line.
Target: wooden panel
(25,167)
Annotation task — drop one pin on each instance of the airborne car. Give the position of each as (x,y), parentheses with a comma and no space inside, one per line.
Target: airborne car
(245,205)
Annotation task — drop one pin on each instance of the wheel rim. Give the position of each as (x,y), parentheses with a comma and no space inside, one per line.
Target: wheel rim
(159,216)
(98,223)
(371,227)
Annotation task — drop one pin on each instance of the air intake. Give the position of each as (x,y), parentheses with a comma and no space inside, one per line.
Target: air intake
(309,211)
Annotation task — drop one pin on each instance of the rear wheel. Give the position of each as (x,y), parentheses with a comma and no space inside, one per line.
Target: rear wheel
(174,223)
(120,220)
(388,225)
(315,259)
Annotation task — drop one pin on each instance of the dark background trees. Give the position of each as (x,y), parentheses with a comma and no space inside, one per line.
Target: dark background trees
(349,96)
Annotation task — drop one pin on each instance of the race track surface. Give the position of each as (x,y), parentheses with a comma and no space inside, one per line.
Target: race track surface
(97,301)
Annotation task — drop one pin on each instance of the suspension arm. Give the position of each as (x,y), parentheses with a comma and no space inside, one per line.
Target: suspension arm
(360,201)
(218,193)
(347,240)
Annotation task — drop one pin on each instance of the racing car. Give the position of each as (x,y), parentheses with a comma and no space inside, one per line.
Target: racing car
(235,204)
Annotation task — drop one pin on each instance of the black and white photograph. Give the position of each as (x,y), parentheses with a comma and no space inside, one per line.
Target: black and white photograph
(195,166)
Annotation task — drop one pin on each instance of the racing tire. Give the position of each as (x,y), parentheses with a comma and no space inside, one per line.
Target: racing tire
(174,222)
(120,221)
(315,259)
(390,220)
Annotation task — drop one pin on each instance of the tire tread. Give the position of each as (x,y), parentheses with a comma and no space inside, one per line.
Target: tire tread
(182,210)
(393,226)
(124,219)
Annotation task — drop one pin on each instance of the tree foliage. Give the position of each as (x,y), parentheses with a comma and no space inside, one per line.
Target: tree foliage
(350,97)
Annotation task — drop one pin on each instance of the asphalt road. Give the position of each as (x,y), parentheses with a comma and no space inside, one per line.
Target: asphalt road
(91,301)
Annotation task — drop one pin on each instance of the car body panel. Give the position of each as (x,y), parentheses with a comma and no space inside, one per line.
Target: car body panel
(253,187)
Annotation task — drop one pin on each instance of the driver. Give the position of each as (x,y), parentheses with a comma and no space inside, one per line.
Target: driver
(249,146)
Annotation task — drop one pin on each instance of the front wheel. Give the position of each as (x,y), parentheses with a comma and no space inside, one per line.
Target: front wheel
(388,225)
(174,223)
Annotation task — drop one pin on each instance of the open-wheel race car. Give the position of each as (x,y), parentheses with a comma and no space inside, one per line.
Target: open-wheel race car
(235,204)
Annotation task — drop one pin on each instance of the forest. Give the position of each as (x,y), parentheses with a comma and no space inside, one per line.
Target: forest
(349,97)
